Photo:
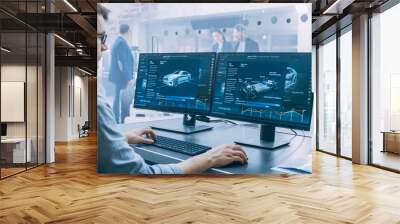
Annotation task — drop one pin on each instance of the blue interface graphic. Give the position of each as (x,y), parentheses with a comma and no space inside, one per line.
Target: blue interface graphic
(264,88)
(176,82)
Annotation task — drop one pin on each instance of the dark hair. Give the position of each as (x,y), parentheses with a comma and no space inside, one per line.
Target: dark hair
(124,28)
(218,31)
(240,28)
(102,11)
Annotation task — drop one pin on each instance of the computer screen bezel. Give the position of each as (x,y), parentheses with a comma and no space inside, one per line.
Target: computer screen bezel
(3,129)
(299,126)
(179,110)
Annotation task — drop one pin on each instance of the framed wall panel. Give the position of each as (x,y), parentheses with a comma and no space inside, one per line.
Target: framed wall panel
(12,101)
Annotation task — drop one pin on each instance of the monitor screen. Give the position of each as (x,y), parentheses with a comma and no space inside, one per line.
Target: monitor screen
(3,129)
(175,82)
(266,88)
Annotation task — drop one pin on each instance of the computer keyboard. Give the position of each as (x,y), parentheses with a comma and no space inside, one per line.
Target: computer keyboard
(180,146)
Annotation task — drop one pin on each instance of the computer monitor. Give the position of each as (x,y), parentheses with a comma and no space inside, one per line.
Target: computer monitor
(176,82)
(272,89)
(3,130)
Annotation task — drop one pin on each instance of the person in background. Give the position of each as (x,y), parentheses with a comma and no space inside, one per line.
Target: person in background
(220,45)
(121,68)
(116,155)
(242,43)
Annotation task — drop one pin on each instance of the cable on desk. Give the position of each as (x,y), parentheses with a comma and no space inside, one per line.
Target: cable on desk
(224,121)
(295,133)
(208,120)
(250,124)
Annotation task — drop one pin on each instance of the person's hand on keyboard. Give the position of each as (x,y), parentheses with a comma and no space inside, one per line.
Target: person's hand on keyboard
(141,136)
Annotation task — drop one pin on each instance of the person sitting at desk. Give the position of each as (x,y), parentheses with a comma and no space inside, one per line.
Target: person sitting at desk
(116,155)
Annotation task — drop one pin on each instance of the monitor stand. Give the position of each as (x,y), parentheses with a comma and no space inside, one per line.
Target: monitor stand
(268,139)
(188,126)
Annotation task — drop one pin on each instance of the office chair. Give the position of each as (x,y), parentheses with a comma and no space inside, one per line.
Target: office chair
(84,130)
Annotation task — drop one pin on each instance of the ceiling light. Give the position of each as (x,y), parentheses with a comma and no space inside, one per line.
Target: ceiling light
(84,71)
(5,50)
(64,40)
(70,5)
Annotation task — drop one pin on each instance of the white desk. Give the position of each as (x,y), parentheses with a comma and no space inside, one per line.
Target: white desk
(17,146)
(294,158)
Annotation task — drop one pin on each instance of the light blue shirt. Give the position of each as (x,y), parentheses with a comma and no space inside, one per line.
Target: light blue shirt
(242,46)
(114,154)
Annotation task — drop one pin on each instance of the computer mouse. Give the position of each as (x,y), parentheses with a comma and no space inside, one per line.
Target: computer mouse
(237,163)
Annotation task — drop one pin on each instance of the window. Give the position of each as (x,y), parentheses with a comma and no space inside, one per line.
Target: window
(346,92)
(327,96)
(334,106)
(385,88)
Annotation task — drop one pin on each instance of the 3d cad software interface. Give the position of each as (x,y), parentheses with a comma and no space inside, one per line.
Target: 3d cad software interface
(265,86)
(175,81)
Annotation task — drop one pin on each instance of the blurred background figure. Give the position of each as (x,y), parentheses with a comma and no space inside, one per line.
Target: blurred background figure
(121,69)
(241,42)
(220,45)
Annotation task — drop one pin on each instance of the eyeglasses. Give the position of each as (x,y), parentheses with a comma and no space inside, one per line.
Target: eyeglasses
(103,37)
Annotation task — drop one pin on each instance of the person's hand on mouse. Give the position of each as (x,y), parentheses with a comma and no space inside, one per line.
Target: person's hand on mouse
(141,136)
(216,157)
(225,154)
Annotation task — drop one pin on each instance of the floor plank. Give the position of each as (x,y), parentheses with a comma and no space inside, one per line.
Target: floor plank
(70,191)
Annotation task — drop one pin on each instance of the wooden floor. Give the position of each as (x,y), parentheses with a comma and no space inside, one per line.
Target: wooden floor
(5,172)
(386,159)
(70,191)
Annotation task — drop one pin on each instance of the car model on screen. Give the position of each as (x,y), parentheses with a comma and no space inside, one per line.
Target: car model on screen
(290,78)
(252,90)
(177,78)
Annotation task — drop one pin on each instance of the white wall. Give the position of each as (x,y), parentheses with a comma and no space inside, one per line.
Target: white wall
(176,10)
(149,22)
(70,84)
(80,94)
(61,104)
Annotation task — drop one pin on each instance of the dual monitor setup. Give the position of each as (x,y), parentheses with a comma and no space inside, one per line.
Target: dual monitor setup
(271,89)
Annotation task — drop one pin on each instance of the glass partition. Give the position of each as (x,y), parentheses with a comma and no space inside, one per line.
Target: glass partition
(22,88)
(327,96)
(15,151)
